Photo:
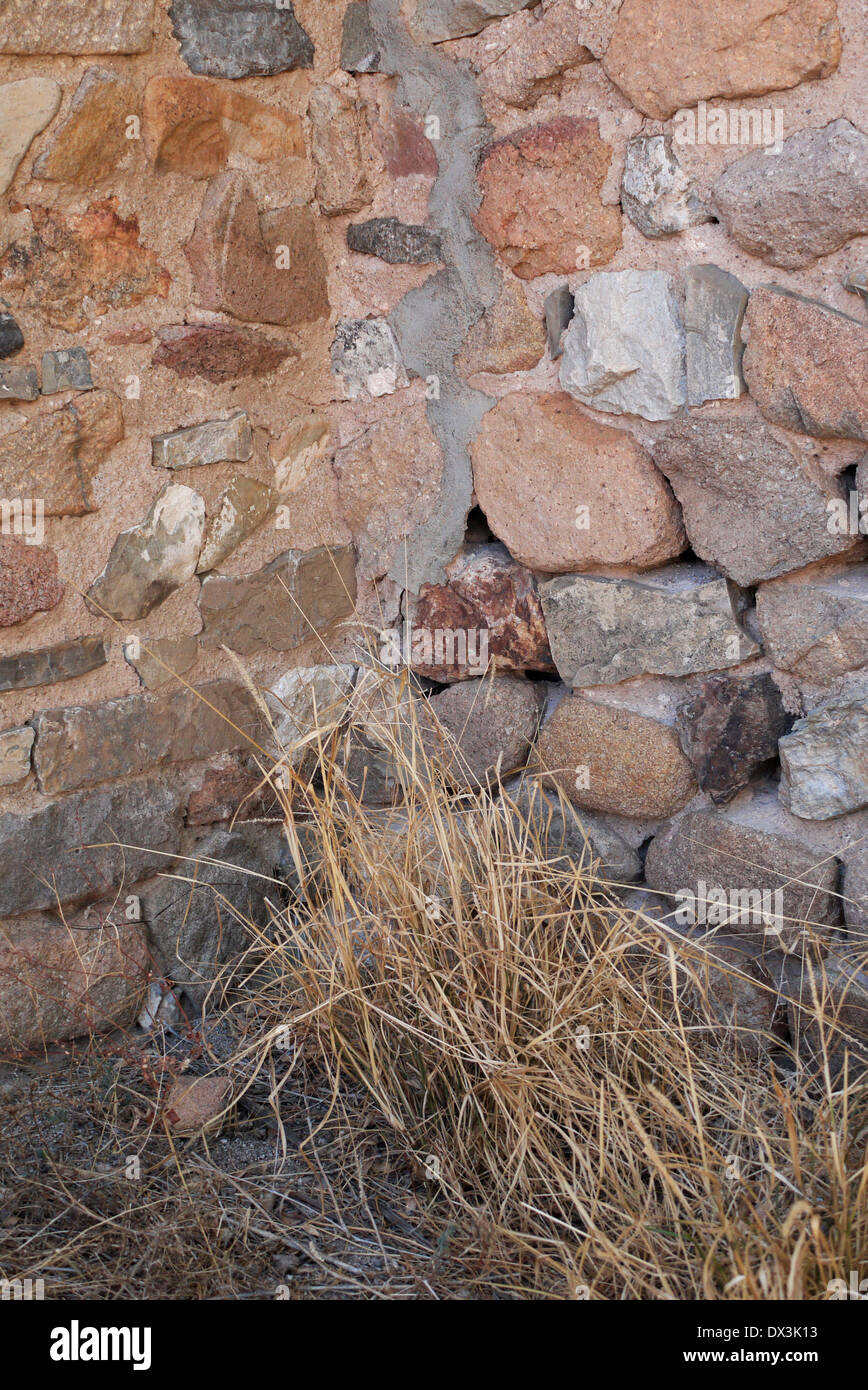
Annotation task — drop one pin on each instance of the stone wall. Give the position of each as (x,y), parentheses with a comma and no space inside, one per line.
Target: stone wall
(455,330)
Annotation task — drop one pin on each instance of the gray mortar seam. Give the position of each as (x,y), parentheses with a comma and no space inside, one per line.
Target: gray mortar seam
(431,323)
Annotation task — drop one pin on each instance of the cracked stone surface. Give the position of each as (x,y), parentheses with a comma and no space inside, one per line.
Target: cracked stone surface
(755,504)
(656,193)
(824,172)
(806,364)
(624,350)
(669,622)
(240,38)
(714,307)
(824,760)
(149,561)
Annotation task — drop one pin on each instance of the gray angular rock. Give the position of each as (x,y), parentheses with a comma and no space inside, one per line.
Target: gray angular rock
(365,354)
(149,561)
(559,307)
(304,699)
(755,504)
(437,20)
(838,985)
(214,441)
(667,622)
(15,746)
(398,243)
(50,855)
(18,383)
(47,665)
(824,760)
(823,172)
(726,867)
(240,38)
(624,350)
(569,837)
(816,625)
(657,195)
(206,911)
(854,890)
(67,369)
(481,729)
(359,48)
(715,302)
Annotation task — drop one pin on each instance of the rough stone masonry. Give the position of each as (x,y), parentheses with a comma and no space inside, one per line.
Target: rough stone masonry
(525,340)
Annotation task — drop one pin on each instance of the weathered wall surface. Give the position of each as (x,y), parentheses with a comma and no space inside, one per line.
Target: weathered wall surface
(405,260)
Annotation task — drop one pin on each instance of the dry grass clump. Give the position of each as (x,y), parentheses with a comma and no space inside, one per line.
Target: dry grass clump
(547,1057)
(460,1067)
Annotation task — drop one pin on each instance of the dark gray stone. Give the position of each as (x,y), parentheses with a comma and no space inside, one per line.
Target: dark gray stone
(240,38)
(129,736)
(399,243)
(67,369)
(568,836)
(11,337)
(729,728)
(81,847)
(18,383)
(559,307)
(202,915)
(51,664)
(823,173)
(359,48)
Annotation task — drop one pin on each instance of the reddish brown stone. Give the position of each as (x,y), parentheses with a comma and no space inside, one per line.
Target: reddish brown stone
(28,581)
(666,54)
(401,140)
(508,338)
(337,121)
(566,494)
(614,760)
(56,456)
(92,141)
(195,1104)
(541,198)
(136,333)
(806,364)
(267,269)
(60,981)
(94,255)
(218,351)
(534,63)
(193,125)
(229,792)
(487,592)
